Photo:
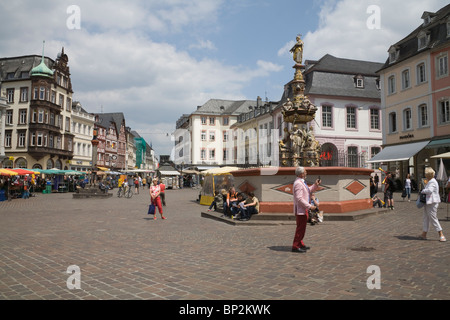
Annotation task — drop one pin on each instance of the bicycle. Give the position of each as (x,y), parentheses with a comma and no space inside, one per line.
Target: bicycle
(129,192)
(120,192)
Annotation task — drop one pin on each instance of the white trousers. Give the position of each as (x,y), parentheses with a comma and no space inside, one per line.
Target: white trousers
(430,216)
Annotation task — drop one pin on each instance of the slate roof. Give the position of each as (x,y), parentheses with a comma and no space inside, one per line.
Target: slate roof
(436,29)
(225,107)
(104,119)
(17,65)
(336,77)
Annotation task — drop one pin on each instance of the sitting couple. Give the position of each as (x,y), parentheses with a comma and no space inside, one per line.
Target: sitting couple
(241,208)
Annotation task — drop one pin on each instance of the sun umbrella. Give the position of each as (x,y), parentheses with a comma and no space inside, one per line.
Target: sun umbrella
(24,171)
(442,173)
(7,172)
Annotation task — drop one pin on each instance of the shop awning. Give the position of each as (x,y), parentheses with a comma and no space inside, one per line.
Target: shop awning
(170,173)
(400,152)
(438,143)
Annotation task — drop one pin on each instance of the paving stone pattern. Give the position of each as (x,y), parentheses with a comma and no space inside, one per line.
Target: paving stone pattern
(123,253)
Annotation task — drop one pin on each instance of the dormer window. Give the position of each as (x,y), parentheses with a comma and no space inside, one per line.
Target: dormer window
(393,54)
(427,17)
(359,81)
(422,40)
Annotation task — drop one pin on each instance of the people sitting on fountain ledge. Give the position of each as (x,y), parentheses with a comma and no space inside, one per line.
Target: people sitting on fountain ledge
(248,207)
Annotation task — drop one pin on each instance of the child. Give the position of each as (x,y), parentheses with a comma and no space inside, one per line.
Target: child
(217,202)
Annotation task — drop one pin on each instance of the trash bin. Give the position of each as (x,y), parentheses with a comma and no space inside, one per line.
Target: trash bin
(2,195)
(48,189)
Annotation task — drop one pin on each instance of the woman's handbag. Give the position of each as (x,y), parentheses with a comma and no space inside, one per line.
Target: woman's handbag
(151,209)
(421,200)
(423,197)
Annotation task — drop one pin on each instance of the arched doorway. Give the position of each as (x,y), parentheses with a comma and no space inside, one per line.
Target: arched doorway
(328,156)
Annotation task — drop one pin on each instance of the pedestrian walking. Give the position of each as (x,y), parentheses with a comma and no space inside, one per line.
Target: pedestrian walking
(431,206)
(136,185)
(302,204)
(407,188)
(155,192)
(162,186)
(389,190)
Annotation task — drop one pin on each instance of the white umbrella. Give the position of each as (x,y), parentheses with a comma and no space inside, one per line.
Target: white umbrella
(442,173)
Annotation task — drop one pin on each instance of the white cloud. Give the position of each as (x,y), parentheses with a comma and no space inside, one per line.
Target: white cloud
(204,44)
(343,30)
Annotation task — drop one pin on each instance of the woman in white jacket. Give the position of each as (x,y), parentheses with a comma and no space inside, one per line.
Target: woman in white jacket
(432,202)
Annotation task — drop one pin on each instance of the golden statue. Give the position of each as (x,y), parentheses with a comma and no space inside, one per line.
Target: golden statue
(297,50)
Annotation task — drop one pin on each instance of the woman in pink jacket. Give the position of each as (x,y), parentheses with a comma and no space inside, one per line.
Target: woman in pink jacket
(155,192)
(302,199)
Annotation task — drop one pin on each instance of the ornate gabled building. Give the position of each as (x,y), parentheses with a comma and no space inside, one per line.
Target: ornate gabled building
(112,138)
(37,125)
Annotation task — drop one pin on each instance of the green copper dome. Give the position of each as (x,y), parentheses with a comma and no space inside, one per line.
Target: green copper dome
(42,69)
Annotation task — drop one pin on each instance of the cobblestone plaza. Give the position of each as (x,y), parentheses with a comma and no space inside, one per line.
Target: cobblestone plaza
(122,253)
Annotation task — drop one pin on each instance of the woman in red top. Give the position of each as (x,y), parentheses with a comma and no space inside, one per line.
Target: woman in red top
(155,191)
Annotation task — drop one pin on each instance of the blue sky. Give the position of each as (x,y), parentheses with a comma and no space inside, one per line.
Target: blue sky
(155,60)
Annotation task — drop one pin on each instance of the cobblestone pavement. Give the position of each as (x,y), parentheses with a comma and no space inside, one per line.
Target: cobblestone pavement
(122,253)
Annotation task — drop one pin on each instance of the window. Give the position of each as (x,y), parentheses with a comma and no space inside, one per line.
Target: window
(8,139)
(23,94)
(421,75)
(10,95)
(203,120)
(203,136)
(21,139)
(203,154)
(225,154)
(41,93)
(22,116)
(407,119)
(423,115)
(352,157)
(351,117)
(225,136)
(359,81)
(405,79)
(212,136)
(392,122)
(391,85)
(422,40)
(327,116)
(67,124)
(444,110)
(212,154)
(374,119)
(442,66)
(53,99)
(226,121)
(61,100)
(40,139)
(41,116)
(33,139)
(212,121)
(9,117)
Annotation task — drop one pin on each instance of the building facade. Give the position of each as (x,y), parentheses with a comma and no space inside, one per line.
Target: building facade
(37,125)
(415,87)
(83,129)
